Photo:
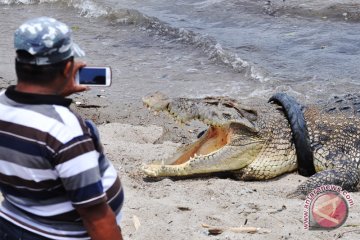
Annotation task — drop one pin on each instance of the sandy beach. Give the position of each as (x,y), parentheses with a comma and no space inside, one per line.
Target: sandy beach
(177,209)
(132,136)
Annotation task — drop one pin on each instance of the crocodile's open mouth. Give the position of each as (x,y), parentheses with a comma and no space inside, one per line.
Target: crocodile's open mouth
(230,143)
(213,152)
(211,141)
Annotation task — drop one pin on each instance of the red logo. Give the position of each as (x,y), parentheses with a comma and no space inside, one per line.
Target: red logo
(329,210)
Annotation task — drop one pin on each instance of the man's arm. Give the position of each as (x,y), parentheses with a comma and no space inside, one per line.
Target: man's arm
(99,221)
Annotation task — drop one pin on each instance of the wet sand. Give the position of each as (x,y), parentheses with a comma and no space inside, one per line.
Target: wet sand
(168,208)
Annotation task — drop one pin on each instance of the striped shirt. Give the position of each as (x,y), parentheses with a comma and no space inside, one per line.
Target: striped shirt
(50,161)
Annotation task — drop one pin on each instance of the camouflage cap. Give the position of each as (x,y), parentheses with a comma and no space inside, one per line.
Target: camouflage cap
(47,40)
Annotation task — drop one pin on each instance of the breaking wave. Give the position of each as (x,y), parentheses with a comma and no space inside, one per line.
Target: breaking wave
(209,45)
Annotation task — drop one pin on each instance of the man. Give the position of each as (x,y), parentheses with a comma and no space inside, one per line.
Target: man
(55,179)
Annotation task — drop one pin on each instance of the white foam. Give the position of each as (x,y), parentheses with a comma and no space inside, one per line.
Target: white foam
(210,47)
(90,8)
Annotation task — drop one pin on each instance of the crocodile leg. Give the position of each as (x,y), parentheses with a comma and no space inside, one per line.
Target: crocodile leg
(345,174)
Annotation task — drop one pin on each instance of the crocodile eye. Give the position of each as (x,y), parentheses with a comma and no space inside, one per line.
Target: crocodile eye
(331,109)
(344,108)
(226,116)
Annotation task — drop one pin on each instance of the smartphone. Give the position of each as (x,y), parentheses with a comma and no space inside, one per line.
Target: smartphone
(94,76)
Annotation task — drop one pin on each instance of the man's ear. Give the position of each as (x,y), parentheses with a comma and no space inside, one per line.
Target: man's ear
(68,69)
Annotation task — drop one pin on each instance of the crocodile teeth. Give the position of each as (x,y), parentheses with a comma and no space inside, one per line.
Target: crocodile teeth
(197,156)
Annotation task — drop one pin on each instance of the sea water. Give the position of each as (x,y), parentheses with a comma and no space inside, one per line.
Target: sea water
(198,48)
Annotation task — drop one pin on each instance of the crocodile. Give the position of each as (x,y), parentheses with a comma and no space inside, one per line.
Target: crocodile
(258,142)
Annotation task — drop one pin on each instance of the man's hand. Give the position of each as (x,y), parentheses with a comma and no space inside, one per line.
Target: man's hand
(70,73)
(99,221)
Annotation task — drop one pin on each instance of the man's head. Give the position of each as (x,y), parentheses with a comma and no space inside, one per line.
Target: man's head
(43,49)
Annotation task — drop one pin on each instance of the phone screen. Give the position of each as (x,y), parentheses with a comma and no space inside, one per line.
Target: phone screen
(92,76)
